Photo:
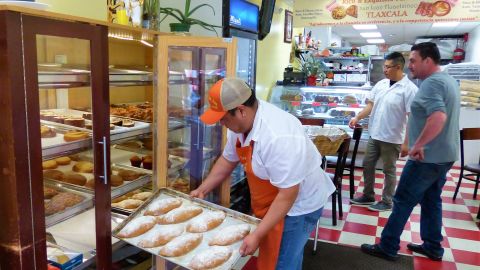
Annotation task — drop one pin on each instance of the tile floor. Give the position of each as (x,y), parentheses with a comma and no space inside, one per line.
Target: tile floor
(461,229)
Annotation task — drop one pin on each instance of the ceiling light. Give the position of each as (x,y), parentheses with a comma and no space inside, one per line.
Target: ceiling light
(391,35)
(364,26)
(445,24)
(376,40)
(370,34)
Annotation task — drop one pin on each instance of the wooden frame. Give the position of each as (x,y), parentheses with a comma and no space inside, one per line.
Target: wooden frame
(288,27)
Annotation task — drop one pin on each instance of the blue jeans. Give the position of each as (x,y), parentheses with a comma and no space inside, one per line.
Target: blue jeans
(296,231)
(419,183)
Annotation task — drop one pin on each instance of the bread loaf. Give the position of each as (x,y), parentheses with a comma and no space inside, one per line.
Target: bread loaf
(142,195)
(181,245)
(230,235)
(53,174)
(74,178)
(61,201)
(210,258)
(137,226)
(206,222)
(128,204)
(179,215)
(163,206)
(71,136)
(63,160)
(83,167)
(49,164)
(160,235)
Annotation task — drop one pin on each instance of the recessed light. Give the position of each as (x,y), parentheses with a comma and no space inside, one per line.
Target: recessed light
(391,35)
(376,40)
(364,26)
(445,24)
(370,34)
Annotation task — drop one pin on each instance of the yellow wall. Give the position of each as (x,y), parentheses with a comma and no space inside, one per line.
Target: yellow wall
(273,54)
(93,9)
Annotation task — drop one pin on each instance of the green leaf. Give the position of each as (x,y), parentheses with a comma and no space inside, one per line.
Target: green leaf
(199,6)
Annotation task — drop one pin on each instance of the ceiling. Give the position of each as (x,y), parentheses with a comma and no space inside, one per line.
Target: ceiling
(402,33)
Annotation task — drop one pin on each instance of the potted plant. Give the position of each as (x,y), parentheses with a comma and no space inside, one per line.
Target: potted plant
(151,9)
(313,69)
(184,18)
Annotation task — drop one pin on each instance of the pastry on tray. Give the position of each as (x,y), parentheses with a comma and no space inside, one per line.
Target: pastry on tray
(142,195)
(179,215)
(49,164)
(53,174)
(46,132)
(211,258)
(206,222)
(74,178)
(73,135)
(83,167)
(230,235)
(162,206)
(160,235)
(128,204)
(63,160)
(181,245)
(137,226)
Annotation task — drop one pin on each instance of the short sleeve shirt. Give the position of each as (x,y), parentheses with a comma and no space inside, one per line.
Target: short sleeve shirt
(391,104)
(439,92)
(284,155)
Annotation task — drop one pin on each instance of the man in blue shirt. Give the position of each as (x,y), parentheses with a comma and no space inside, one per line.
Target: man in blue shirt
(433,139)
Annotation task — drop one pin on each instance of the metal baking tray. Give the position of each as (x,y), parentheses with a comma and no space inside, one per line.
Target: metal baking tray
(87,203)
(128,212)
(232,218)
(140,127)
(55,145)
(127,186)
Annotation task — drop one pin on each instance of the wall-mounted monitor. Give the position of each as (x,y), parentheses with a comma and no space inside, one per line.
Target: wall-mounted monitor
(239,15)
(266,15)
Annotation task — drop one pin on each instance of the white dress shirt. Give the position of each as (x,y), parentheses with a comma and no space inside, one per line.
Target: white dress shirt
(391,104)
(284,155)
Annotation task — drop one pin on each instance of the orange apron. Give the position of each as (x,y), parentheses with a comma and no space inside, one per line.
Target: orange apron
(262,194)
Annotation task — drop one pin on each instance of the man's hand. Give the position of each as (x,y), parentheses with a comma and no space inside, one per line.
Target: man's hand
(417,152)
(198,193)
(353,122)
(249,245)
(404,150)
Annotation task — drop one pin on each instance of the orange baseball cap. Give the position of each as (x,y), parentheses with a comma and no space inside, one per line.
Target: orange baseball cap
(223,96)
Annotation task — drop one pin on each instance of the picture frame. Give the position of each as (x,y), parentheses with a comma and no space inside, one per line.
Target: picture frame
(288,28)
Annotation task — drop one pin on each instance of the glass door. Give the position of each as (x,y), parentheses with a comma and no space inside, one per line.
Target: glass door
(67,96)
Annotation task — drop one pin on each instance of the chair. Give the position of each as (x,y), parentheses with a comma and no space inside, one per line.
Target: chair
(468,134)
(337,181)
(350,162)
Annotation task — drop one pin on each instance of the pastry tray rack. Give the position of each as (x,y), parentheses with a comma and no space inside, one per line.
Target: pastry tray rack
(55,145)
(86,204)
(232,218)
(126,187)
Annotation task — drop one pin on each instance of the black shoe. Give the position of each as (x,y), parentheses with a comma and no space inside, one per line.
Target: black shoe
(419,249)
(362,200)
(375,250)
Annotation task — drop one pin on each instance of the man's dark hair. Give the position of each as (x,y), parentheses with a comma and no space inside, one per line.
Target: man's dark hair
(250,102)
(397,59)
(427,49)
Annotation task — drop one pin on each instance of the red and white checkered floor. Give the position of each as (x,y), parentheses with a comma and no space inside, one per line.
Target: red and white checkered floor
(461,229)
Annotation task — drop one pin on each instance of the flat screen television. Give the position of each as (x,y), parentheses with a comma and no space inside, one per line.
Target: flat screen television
(265,20)
(240,15)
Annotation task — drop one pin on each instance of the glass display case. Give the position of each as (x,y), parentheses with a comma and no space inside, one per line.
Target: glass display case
(337,105)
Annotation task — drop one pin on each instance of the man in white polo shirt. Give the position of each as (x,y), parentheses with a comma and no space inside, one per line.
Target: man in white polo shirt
(388,106)
(288,188)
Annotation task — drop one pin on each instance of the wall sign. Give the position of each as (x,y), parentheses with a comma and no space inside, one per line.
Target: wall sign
(345,12)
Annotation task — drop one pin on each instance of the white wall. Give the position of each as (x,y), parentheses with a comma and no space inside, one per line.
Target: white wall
(204,14)
(472,54)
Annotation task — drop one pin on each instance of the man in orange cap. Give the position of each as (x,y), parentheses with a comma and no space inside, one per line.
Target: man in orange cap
(287,186)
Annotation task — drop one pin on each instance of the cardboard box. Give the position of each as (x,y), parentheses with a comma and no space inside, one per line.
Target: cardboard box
(63,258)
